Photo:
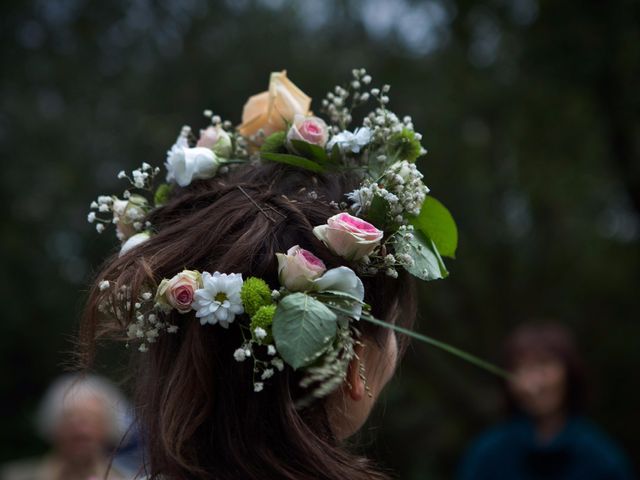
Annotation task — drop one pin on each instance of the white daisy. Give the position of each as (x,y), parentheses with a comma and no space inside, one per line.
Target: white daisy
(219,300)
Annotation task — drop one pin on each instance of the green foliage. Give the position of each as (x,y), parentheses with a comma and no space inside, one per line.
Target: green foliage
(163,192)
(310,151)
(274,143)
(294,160)
(255,293)
(263,318)
(378,212)
(303,328)
(436,222)
(404,145)
(428,264)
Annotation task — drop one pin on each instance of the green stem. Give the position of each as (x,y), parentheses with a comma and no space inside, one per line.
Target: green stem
(478,362)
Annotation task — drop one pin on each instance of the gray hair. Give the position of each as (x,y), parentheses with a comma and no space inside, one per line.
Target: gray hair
(69,389)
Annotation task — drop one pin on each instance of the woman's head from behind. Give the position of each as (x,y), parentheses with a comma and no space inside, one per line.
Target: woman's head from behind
(197,406)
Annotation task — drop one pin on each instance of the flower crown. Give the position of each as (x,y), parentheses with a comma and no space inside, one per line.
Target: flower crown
(388,222)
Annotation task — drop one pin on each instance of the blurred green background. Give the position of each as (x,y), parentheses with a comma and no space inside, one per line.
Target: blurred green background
(529,109)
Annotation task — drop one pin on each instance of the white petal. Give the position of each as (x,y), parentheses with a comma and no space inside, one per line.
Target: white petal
(342,279)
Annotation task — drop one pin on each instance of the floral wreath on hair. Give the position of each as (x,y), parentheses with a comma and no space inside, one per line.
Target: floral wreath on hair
(388,222)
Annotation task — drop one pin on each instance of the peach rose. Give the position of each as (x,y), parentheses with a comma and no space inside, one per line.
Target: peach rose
(178,292)
(298,268)
(273,109)
(350,237)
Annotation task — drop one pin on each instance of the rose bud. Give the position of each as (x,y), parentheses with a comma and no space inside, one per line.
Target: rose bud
(308,129)
(298,268)
(216,139)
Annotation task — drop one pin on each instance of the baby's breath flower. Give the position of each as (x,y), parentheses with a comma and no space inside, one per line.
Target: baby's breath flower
(239,355)
(260,333)
(392,272)
(278,363)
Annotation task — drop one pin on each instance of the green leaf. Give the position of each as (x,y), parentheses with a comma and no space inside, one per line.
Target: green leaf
(378,212)
(303,328)
(311,151)
(293,160)
(329,294)
(427,263)
(336,154)
(436,222)
(274,143)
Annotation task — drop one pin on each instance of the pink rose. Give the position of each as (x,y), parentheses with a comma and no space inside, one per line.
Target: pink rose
(350,237)
(178,291)
(308,129)
(298,268)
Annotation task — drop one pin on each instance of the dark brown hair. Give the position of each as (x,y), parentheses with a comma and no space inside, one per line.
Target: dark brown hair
(199,416)
(552,339)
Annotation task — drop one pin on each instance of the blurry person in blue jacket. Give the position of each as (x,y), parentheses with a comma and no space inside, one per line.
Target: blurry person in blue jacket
(546,437)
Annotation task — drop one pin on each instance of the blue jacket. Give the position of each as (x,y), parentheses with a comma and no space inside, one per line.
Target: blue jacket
(511,452)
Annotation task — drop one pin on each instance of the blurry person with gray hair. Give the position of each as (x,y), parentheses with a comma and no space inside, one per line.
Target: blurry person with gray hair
(83,417)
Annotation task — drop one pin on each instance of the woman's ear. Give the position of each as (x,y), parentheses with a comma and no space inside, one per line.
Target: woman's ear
(355,382)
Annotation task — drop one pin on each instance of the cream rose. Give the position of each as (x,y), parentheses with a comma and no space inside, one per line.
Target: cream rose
(178,292)
(185,165)
(134,241)
(298,268)
(350,237)
(128,212)
(273,109)
(308,129)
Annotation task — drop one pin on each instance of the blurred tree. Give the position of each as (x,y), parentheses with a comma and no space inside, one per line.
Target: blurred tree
(529,110)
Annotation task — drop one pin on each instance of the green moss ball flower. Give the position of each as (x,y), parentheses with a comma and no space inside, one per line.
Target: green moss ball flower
(255,293)
(263,319)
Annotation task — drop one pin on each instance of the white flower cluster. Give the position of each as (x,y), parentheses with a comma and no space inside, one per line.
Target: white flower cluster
(141,178)
(262,369)
(351,141)
(403,190)
(148,323)
(384,123)
(404,180)
(335,102)
(128,212)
